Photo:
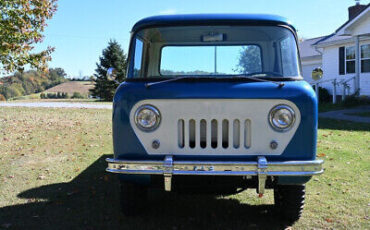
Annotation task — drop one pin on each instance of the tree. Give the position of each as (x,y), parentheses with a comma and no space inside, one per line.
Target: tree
(249,60)
(21,25)
(112,56)
(29,82)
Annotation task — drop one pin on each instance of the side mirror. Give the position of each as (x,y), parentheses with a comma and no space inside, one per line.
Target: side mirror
(112,74)
(317,74)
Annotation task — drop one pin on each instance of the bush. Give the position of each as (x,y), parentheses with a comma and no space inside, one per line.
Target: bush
(324,95)
(2,98)
(58,95)
(77,95)
(354,100)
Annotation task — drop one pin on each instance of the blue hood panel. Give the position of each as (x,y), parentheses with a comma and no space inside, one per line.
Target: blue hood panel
(301,147)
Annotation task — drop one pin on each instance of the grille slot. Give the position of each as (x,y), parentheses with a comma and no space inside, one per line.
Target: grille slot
(214,133)
(192,133)
(203,133)
(225,134)
(247,134)
(180,133)
(236,133)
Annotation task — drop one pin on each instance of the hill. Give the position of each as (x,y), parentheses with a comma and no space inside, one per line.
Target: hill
(30,82)
(71,87)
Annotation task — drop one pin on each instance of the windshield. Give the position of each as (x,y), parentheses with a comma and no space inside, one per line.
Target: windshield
(214,51)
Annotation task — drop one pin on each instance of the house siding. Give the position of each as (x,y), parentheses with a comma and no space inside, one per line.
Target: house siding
(330,65)
(308,66)
(362,28)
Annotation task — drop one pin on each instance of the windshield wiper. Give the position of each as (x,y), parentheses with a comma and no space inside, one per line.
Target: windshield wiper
(250,76)
(147,85)
(256,77)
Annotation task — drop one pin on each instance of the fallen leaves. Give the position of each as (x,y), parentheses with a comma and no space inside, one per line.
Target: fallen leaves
(41,177)
(329,220)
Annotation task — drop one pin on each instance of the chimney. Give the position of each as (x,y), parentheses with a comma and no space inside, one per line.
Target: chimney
(353,11)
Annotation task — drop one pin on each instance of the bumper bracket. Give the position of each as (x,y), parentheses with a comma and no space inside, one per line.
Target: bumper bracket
(168,164)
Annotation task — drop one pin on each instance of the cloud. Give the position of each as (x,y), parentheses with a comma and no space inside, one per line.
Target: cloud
(168,11)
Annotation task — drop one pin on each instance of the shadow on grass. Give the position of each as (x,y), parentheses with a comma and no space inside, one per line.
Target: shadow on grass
(91,201)
(327,123)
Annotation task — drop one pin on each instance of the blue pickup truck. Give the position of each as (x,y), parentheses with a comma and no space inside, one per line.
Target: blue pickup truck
(214,103)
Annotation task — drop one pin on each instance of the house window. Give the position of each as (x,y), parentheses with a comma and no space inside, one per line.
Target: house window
(365,58)
(350,59)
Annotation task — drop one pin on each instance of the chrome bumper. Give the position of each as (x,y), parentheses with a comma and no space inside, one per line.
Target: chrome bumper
(260,168)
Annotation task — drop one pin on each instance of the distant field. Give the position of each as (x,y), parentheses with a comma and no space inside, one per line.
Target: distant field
(70,87)
(35,98)
(52,177)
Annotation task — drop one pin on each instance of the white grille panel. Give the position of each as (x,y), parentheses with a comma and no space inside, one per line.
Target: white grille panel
(198,133)
(215,127)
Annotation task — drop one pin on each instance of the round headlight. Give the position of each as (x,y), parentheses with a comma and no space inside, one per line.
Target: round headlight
(282,118)
(147,118)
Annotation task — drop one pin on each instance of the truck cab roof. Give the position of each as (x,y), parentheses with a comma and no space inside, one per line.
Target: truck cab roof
(211,19)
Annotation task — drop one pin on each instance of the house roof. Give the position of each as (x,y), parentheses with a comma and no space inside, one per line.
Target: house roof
(306,49)
(354,18)
(334,37)
(207,19)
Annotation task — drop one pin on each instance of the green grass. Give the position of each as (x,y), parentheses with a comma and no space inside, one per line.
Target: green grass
(326,107)
(354,102)
(52,177)
(360,114)
(59,100)
(34,96)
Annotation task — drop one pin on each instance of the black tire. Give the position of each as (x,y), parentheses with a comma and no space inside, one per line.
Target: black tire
(289,201)
(133,198)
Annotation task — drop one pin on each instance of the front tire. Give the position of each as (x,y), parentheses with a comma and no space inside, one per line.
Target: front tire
(133,198)
(289,201)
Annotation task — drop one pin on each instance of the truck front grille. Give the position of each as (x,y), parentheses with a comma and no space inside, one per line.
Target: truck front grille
(214,127)
(214,134)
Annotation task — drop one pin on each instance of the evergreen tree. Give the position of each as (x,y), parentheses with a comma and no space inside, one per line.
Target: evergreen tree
(249,60)
(112,56)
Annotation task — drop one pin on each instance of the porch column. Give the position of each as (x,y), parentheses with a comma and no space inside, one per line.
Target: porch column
(357,63)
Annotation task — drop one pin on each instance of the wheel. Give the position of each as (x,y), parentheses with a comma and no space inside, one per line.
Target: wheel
(289,201)
(133,198)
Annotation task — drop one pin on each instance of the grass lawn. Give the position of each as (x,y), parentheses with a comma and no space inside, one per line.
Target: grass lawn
(362,114)
(326,107)
(52,177)
(27,100)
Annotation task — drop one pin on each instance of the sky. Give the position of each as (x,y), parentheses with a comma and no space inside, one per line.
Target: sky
(81,29)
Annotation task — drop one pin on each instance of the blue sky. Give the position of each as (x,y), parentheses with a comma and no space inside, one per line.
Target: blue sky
(80,29)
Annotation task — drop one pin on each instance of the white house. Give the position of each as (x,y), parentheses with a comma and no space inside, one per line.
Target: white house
(344,55)
(310,57)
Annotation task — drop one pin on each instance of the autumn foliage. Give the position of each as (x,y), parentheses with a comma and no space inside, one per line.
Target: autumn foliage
(21,26)
(29,82)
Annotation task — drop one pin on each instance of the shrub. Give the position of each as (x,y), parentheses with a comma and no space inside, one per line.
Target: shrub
(324,95)
(50,95)
(58,95)
(2,98)
(354,100)
(77,95)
